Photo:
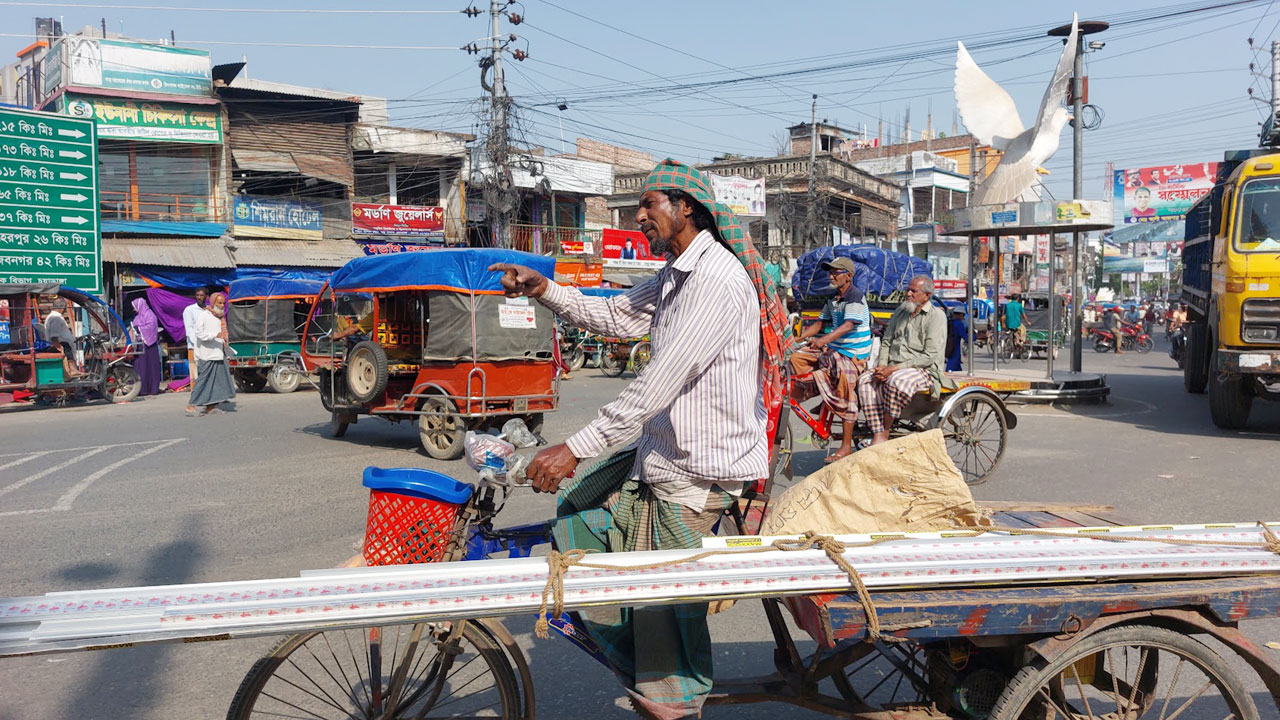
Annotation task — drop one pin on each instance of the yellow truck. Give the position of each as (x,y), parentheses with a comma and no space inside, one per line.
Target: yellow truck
(1231,284)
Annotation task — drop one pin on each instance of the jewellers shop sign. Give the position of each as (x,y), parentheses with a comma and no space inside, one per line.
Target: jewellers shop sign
(420,221)
(277,217)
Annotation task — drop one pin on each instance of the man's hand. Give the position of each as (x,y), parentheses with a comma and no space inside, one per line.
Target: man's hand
(519,280)
(883,372)
(550,467)
(817,343)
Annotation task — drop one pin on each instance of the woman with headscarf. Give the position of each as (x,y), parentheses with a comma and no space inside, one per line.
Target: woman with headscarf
(146,331)
(213,384)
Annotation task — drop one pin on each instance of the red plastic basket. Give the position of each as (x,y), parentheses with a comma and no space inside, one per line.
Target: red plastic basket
(402,529)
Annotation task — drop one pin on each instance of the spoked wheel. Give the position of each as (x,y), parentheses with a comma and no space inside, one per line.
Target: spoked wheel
(399,671)
(442,432)
(575,358)
(887,674)
(610,365)
(1129,672)
(975,431)
(640,354)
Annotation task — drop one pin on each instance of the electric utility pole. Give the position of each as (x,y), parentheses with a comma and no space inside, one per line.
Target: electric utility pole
(499,187)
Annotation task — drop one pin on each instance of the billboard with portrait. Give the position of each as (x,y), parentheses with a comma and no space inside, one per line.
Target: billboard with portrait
(627,249)
(1164,192)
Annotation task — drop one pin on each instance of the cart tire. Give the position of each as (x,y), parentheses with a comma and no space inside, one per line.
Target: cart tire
(609,364)
(976,431)
(283,378)
(325,386)
(535,422)
(1196,355)
(1230,400)
(1039,687)
(367,372)
(576,360)
(249,381)
(640,354)
(283,682)
(121,384)
(442,435)
(338,423)
(1144,345)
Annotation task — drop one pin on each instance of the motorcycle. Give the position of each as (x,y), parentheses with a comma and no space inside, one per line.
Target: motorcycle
(1178,346)
(1131,339)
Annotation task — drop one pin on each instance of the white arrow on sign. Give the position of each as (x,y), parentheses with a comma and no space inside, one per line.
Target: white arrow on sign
(70,133)
(71,176)
(71,154)
(75,197)
(74,219)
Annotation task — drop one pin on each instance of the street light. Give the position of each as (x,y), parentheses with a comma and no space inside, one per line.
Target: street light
(561,105)
(1083,28)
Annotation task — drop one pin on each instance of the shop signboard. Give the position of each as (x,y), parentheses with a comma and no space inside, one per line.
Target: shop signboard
(1165,192)
(409,220)
(577,247)
(950,289)
(49,229)
(144,120)
(579,274)
(390,248)
(744,196)
(127,65)
(1043,249)
(277,217)
(627,249)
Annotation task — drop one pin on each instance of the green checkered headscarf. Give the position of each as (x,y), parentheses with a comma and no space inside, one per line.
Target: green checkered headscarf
(776,337)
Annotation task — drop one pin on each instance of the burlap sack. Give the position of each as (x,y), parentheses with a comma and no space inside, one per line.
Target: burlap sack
(906,484)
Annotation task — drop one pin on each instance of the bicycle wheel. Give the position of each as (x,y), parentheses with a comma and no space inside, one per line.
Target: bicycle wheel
(1128,672)
(392,671)
(975,431)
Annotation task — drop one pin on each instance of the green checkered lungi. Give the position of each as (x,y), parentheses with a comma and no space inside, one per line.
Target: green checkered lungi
(663,653)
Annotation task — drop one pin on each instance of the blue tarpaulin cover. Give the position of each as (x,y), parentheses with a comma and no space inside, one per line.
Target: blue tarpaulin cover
(457,270)
(182,279)
(258,287)
(601,292)
(879,272)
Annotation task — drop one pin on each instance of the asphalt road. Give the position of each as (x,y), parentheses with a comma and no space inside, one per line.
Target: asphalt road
(136,494)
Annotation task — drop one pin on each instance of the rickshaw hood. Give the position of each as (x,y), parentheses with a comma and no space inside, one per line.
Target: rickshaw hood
(463,270)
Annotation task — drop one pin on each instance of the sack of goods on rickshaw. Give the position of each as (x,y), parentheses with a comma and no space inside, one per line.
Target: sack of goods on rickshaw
(727,567)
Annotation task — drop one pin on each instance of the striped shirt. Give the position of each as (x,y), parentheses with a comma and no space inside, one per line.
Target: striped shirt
(857,342)
(697,406)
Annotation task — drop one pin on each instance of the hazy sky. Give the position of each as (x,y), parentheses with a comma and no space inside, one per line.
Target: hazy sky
(1172,90)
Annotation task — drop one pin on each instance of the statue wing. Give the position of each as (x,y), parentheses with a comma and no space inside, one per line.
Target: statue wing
(1013,175)
(1058,85)
(987,110)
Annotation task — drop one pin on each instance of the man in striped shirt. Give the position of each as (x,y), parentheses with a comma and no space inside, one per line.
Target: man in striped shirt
(697,408)
(837,358)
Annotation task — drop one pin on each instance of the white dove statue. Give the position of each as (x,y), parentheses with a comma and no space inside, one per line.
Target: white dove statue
(990,115)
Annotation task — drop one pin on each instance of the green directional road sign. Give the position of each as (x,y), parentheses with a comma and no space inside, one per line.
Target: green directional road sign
(49,229)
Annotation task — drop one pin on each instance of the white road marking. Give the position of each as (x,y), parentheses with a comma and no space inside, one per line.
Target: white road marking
(86,447)
(49,471)
(28,458)
(64,502)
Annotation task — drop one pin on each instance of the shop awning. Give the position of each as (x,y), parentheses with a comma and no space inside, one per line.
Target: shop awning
(294,253)
(181,252)
(323,167)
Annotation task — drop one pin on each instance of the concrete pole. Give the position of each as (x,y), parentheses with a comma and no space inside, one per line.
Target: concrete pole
(971,292)
(1077,190)
(1053,301)
(1275,77)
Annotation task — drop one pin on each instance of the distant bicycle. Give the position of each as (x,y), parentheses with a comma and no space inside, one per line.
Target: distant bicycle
(1011,346)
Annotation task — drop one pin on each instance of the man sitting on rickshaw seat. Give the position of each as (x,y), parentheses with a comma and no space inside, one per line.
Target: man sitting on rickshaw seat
(910,362)
(59,335)
(839,357)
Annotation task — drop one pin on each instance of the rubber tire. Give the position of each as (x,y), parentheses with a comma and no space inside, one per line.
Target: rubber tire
(484,643)
(1229,400)
(1144,345)
(1026,684)
(1101,345)
(1002,422)
(283,378)
(249,381)
(535,422)
(1195,370)
(338,423)
(577,359)
(609,364)
(367,367)
(118,377)
(454,430)
(326,380)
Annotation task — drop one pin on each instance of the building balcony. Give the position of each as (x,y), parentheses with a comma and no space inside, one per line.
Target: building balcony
(548,240)
(157,207)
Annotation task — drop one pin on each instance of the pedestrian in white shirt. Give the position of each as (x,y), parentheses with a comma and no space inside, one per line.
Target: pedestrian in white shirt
(189,315)
(213,384)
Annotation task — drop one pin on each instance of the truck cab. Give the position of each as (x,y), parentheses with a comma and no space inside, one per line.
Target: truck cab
(1231,284)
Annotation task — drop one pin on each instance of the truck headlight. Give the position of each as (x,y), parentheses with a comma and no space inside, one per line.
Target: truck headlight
(1260,333)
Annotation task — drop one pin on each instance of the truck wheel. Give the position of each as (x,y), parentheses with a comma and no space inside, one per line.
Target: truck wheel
(1230,400)
(367,371)
(1195,371)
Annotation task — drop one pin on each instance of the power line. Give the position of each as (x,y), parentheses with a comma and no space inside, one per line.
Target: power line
(308,11)
(294,45)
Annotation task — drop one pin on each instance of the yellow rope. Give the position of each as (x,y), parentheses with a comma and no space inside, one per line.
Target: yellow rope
(558,563)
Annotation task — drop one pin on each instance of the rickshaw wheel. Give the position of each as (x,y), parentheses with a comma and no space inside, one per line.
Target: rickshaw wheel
(249,381)
(1125,672)
(367,371)
(442,433)
(121,384)
(975,431)
(329,674)
(640,354)
(577,359)
(283,379)
(609,364)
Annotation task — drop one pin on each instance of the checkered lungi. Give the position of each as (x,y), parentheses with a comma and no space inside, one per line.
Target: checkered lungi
(662,653)
(836,376)
(890,396)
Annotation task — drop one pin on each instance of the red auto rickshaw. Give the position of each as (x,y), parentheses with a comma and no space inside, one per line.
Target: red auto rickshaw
(429,337)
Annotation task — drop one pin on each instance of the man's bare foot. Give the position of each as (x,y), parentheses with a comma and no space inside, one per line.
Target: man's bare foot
(879,438)
(842,452)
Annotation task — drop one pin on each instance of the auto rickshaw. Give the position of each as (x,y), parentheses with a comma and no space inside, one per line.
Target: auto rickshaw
(264,327)
(31,367)
(430,338)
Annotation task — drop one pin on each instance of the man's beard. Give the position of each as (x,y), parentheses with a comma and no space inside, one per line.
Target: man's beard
(659,246)
(911,305)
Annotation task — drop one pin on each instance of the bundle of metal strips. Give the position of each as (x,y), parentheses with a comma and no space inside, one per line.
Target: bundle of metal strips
(355,597)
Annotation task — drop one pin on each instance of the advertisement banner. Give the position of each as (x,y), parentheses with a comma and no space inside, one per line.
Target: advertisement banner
(126,65)
(277,217)
(1043,249)
(579,274)
(372,219)
(1164,192)
(143,120)
(1124,264)
(627,249)
(389,248)
(950,289)
(1155,265)
(744,196)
